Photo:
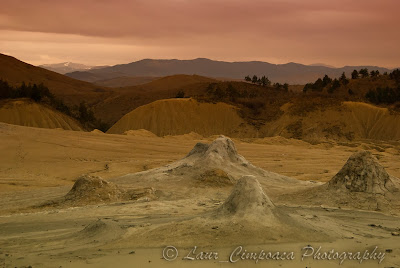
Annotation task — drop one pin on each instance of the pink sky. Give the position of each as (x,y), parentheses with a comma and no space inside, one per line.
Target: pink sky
(99,32)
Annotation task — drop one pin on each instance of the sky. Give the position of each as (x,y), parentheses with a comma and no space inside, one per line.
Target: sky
(105,32)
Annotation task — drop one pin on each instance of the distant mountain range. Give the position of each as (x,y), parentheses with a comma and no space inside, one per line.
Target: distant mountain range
(68,67)
(321,64)
(292,73)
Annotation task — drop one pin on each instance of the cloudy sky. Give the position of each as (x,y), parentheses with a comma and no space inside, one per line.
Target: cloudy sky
(105,32)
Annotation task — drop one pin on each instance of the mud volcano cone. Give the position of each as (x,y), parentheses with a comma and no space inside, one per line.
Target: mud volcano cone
(247,200)
(362,173)
(92,188)
(221,150)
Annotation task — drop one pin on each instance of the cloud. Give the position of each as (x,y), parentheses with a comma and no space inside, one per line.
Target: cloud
(341,32)
(154,18)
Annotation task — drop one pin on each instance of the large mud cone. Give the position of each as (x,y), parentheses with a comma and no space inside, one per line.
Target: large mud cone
(247,200)
(363,173)
(219,151)
(94,189)
(213,165)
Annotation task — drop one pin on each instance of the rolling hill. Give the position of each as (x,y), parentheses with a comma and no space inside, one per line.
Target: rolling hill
(124,100)
(182,116)
(26,112)
(292,73)
(108,104)
(70,90)
(124,81)
(342,121)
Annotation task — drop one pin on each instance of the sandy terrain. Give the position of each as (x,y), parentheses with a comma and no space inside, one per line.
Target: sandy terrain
(40,165)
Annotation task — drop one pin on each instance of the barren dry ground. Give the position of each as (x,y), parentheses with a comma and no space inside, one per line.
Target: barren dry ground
(38,165)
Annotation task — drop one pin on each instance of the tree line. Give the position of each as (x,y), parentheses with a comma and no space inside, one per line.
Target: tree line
(265,82)
(332,84)
(387,95)
(327,82)
(41,94)
(363,73)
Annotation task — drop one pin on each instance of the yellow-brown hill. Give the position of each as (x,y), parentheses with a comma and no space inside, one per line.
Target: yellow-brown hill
(339,121)
(182,116)
(25,112)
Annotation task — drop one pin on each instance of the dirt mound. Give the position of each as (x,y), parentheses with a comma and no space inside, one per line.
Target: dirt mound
(97,131)
(140,133)
(247,199)
(190,136)
(362,183)
(92,189)
(362,173)
(89,190)
(101,230)
(25,112)
(182,116)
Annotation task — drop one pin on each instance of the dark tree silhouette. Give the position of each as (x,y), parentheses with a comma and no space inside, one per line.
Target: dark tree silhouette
(335,85)
(383,95)
(232,92)
(6,91)
(180,94)
(326,80)
(343,79)
(219,94)
(286,87)
(265,81)
(254,79)
(364,73)
(354,74)
(35,93)
(395,75)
